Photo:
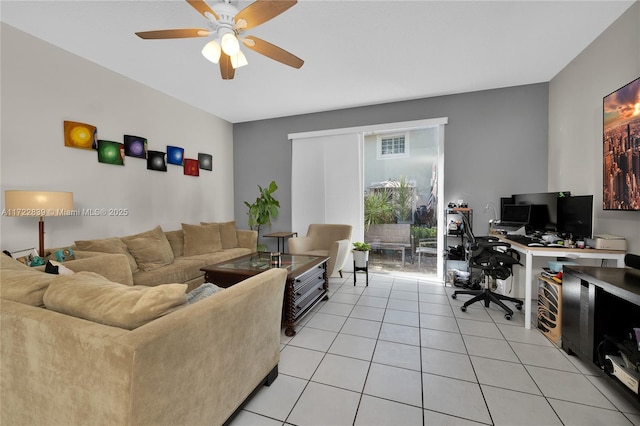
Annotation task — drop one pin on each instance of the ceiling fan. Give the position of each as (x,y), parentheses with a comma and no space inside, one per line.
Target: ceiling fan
(227,25)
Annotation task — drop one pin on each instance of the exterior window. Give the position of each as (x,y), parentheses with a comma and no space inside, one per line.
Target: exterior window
(393,146)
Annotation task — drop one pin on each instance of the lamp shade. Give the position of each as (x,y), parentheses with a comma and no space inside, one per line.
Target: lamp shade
(38,203)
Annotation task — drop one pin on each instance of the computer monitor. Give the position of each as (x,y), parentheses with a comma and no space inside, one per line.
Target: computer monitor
(544,211)
(516,213)
(575,216)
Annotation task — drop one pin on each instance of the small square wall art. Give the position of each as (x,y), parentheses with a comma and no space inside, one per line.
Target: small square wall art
(155,161)
(191,167)
(135,146)
(205,161)
(175,155)
(110,152)
(80,135)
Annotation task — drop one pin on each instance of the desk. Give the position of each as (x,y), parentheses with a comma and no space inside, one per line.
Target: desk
(281,236)
(531,252)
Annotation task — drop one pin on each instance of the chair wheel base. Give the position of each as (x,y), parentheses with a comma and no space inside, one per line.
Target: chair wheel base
(463,308)
(507,317)
(454,296)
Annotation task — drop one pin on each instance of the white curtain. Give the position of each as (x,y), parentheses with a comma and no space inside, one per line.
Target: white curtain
(327,182)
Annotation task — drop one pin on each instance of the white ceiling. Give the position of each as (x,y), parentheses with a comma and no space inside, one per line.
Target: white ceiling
(356,53)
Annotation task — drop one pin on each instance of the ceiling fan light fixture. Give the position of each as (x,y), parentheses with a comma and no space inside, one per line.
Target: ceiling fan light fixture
(212,51)
(238,60)
(230,44)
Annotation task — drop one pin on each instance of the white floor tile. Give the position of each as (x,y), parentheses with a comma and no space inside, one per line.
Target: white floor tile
(580,415)
(455,397)
(503,374)
(380,412)
(489,348)
(397,355)
(543,356)
(566,386)
(439,322)
(353,346)
(247,418)
(515,408)
(395,384)
(277,401)
(367,313)
(325,405)
(299,362)
(449,364)
(342,372)
(372,301)
(326,322)
(444,340)
(402,317)
(368,357)
(400,334)
(313,338)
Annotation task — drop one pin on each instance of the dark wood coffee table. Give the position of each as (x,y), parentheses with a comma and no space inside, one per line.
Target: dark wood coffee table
(307,282)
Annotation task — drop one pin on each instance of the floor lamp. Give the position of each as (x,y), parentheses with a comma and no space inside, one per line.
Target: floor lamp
(38,204)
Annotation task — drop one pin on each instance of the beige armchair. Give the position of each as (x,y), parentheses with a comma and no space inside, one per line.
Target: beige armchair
(325,240)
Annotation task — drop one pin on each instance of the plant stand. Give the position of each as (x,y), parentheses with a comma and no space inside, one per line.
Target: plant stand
(364,269)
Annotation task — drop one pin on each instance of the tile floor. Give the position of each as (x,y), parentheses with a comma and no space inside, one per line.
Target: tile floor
(400,352)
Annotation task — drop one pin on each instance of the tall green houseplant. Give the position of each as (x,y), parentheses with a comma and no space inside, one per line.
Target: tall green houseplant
(264,209)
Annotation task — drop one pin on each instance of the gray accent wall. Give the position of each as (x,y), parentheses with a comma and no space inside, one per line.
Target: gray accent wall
(495,145)
(575,119)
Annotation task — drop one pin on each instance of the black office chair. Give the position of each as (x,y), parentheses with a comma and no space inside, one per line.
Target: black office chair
(494,259)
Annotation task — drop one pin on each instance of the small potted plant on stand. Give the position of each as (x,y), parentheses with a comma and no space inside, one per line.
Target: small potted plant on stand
(263,210)
(361,259)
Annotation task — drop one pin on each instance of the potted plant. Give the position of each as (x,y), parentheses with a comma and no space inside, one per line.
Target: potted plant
(263,210)
(361,254)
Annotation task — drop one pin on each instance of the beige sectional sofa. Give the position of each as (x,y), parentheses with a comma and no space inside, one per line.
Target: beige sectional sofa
(82,349)
(159,257)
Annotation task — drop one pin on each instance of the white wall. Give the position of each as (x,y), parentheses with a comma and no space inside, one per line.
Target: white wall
(575,119)
(42,86)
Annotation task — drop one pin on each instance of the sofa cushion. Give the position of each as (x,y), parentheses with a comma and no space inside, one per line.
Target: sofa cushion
(200,239)
(21,283)
(176,240)
(109,245)
(151,249)
(181,270)
(91,296)
(228,235)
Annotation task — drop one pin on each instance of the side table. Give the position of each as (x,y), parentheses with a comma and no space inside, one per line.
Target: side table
(356,269)
(281,236)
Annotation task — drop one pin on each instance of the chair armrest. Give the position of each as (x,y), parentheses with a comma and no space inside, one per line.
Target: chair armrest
(338,255)
(300,244)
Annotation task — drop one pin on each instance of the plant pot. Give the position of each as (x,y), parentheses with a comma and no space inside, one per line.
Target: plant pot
(360,258)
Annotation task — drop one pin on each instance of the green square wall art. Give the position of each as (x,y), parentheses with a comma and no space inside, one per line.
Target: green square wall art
(110,152)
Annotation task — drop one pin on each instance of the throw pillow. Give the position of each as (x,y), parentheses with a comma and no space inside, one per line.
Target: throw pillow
(228,235)
(176,240)
(109,245)
(151,249)
(53,267)
(92,297)
(199,239)
(202,292)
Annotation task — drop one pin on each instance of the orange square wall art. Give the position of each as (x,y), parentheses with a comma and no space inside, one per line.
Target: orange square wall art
(80,135)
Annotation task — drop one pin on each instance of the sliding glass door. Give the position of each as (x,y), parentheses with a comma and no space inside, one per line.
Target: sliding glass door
(400,200)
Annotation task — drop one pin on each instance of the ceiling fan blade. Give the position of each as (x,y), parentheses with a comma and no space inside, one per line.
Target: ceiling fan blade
(180,33)
(260,12)
(272,51)
(226,69)
(202,7)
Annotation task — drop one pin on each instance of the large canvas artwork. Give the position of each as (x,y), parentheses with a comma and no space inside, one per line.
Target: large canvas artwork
(155,161)
(80,135)
(175,155)
(621,140)
(110,152)
(205,161)
(135,146)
